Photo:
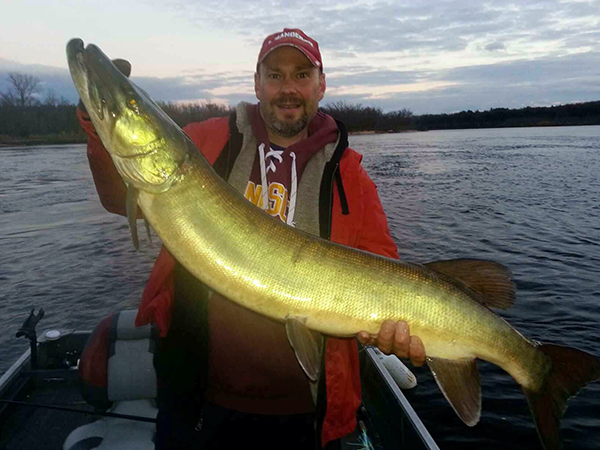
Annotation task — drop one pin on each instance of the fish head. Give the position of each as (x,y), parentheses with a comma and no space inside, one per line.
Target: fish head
(146,146)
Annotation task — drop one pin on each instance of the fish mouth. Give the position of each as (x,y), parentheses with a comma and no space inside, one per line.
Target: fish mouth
(142,151)
(74,48)
(89,67)
(111,99)
(138,135)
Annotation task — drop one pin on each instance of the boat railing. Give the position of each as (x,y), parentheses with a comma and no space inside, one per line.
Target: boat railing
(397,423)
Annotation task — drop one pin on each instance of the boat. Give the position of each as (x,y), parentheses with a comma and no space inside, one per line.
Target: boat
(45,403)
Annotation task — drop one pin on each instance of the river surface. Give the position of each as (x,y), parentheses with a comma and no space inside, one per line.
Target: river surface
(528,198)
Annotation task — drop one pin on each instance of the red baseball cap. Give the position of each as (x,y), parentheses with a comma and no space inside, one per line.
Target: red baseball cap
(293,37)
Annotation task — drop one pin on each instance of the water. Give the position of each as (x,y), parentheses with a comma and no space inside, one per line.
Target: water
(529,198)
(59,249)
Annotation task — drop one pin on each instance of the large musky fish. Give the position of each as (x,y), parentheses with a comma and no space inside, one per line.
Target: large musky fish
(262,264)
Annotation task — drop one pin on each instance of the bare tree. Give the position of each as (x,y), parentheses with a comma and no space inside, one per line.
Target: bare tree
(23,88)
(51,98)
(7,99)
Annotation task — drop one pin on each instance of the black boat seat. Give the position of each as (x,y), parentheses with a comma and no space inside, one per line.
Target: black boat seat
(118,376)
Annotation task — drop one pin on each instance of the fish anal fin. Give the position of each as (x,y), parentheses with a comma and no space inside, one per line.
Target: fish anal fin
(131,208)
(306,347)
(459,381)
(571,369)
(492,281)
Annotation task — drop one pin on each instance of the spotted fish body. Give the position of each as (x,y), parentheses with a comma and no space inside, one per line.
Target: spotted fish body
(276,270)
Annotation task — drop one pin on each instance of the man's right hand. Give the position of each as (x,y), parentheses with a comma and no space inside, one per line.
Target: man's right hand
(124,67)
(395,338)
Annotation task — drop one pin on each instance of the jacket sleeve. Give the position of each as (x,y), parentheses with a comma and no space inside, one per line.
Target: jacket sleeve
(209,136)
(365,226)
(374,234)
(109,185)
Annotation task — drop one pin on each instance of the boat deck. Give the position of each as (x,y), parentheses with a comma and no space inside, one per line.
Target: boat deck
(386,415)
(29,427)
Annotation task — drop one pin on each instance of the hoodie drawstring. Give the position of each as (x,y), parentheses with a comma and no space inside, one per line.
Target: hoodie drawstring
(264,196)
(294,189)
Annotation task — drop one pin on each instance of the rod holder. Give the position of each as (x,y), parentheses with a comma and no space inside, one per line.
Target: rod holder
(28,330)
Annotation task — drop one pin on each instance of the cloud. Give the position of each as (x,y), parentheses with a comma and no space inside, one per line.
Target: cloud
(495,46)
(543,71)
(425,55)
(369,76)
(52,79)
(417,26)
(190,87)
(512,84)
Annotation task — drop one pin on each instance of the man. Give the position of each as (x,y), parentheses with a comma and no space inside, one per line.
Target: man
(227,376)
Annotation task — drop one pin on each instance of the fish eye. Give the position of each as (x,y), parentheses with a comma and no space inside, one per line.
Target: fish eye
(133,105)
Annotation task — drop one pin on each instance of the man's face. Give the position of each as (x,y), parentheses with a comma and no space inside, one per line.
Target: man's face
(289,88)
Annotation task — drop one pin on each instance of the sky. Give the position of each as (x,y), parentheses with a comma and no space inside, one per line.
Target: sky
(439,56)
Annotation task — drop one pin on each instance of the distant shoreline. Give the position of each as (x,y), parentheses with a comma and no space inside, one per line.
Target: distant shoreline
(11,141)
(367,132)
(77,138)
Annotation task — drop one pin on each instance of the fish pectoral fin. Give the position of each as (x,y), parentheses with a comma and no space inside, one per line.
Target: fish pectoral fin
(305,345)
(131,209)
(148,230)
(459,381)
(490,280)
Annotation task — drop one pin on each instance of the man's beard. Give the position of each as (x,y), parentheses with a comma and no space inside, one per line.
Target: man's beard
(284,129)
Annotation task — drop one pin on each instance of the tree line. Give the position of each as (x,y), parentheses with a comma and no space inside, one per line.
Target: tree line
(587,113)
(24,113)
(184,113)
(26,116)
(366,118)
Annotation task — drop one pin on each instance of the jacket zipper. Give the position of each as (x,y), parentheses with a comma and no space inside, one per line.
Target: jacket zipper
(330,209)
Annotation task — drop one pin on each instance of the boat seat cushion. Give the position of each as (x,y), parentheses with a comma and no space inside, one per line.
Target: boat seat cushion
(117,362)
(110,433)
(117,374)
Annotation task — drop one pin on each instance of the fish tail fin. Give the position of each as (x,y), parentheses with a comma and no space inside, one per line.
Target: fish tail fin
(570,370)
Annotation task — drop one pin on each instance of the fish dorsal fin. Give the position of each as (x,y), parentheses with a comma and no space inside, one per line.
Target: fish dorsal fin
(131,209)
(459,381)
(490,280)
(305,346)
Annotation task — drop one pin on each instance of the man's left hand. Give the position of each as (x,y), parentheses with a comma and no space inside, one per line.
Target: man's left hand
(394,337)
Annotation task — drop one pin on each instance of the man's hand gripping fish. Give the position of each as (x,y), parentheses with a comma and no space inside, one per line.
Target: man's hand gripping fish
(309,283)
